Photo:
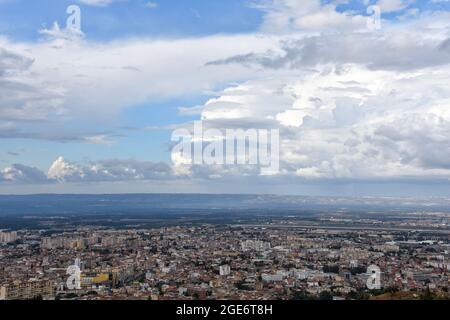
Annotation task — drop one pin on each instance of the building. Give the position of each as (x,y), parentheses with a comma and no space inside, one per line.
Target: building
(27,290)
(52,243)
(87,281)
(255,245)
(272,277)
(8,237)
(225,270)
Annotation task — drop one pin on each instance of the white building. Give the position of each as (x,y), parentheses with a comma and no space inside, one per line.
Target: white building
(8,237)
(271,277)
(255,245)
(225,270)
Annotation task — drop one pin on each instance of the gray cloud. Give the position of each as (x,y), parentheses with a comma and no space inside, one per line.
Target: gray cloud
(417,140)
(11,62)
(109,170)
(18,173)
(445,46)
(389,51)
(24,98)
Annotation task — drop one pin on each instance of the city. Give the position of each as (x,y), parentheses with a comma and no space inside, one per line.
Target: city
(271,258)
(215,158)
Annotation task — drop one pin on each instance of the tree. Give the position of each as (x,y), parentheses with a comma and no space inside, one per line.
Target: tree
(331,269)
(325,295)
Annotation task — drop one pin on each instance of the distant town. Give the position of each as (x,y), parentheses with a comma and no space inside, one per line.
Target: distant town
(320,257)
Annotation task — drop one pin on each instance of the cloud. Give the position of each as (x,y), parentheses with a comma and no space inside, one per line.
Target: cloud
(24,96)
(62,79)
(309,15)
(58,34)
(99,139)
(18,173)
(11,62)
(99,3)
(151,5)
(393,5)
(351,104)
(108,170)
(362,106)
(337,123)
(347,121)
(397,48)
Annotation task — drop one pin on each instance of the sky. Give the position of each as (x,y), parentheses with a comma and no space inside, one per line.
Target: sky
(362,105)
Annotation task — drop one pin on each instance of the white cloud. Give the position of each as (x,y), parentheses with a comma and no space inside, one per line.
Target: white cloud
(393,5)
(18,173)
(348,122)
(60,169)
(70,78)
(309,15)
(108,170)
(99,139)
(405,46)
(99,3)
(151,5)
(349,103)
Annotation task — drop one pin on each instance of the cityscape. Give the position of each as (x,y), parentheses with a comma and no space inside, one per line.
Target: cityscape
(295,256)
(219,158)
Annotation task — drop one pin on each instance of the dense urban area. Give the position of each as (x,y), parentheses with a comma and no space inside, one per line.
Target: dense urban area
(272,258)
